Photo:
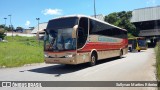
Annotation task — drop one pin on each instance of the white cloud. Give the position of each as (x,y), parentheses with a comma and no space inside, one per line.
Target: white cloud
(52,12)
(27,23)
(151,2)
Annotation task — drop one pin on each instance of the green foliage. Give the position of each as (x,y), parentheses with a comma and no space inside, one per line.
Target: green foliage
(20,51)
(2,31)
(6,28)
(111,18)
(19,28)
(158,59)
(122,19)
(130,35)
(1,26)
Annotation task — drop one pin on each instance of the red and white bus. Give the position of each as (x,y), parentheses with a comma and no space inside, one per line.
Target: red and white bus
(81,39)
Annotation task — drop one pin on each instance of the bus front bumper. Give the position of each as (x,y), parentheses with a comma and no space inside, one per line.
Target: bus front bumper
(60,61)
(143,48)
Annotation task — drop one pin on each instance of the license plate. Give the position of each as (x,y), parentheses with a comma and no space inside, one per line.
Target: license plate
(56,60)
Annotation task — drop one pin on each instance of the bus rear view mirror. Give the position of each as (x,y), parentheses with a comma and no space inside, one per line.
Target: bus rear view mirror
(74,31)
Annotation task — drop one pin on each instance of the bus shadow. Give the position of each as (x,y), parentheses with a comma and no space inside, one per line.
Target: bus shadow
(136,51)
(58,70)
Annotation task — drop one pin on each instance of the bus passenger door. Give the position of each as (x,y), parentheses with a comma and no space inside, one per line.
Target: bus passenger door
(82,34)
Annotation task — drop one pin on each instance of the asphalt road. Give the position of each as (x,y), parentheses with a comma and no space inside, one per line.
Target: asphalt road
(137,66)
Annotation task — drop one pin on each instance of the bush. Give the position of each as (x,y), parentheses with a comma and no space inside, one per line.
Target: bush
(2,31)
(158,59)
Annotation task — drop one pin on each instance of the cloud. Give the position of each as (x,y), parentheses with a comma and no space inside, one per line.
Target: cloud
(52,12)
(151,2)
(27,23)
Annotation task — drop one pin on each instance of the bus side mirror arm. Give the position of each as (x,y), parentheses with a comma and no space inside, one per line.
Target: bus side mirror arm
(74,31)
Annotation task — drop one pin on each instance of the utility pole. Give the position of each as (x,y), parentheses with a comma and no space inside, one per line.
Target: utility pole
(5,25)
(5,22)
(38,29)
(11,24)
(94,8)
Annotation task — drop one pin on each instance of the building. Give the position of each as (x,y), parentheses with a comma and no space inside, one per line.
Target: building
(39,30)
(100,17)
(42,26)
(27,31)
(147,21)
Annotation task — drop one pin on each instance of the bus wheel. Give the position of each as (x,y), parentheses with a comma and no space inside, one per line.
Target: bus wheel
(93,60)
(139,50)
(130,49)
(121,54)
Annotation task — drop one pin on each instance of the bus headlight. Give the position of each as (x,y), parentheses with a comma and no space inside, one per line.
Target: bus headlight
(46,56)
(69,56)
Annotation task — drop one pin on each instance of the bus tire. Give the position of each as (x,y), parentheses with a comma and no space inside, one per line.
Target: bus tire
(93,59)
(130,49)
(120,54)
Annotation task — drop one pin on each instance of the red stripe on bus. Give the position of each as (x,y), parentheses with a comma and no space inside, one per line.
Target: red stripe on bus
(84,51)
(103,46)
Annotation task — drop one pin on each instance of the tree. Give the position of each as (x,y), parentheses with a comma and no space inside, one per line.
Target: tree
(2,31)
(111,18)
(5,28)
(122,19)
(1,26)
(19,28)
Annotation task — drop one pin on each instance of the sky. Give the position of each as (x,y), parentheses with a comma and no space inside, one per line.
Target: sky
(24,12)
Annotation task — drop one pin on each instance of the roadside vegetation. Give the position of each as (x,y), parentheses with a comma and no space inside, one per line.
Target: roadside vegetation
(122,19)
(2,31)
(19,51)
(157,49)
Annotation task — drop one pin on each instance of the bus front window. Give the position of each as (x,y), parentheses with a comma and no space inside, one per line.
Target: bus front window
(58,35)
(49,40)
(142,42)
(60,39)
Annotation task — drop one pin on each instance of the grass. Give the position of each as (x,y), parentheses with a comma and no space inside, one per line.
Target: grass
(157,49)
(20,51)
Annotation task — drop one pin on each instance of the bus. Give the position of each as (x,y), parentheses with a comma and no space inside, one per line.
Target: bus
(137,43)
(82,39)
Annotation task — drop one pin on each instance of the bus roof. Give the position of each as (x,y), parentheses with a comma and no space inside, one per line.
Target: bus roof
(79,16)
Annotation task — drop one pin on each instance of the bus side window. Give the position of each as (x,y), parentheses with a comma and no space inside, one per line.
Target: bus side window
(82,32)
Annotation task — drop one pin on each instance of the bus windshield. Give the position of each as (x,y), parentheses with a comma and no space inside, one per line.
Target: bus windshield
(60,39)
(58,36)
(142,42)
